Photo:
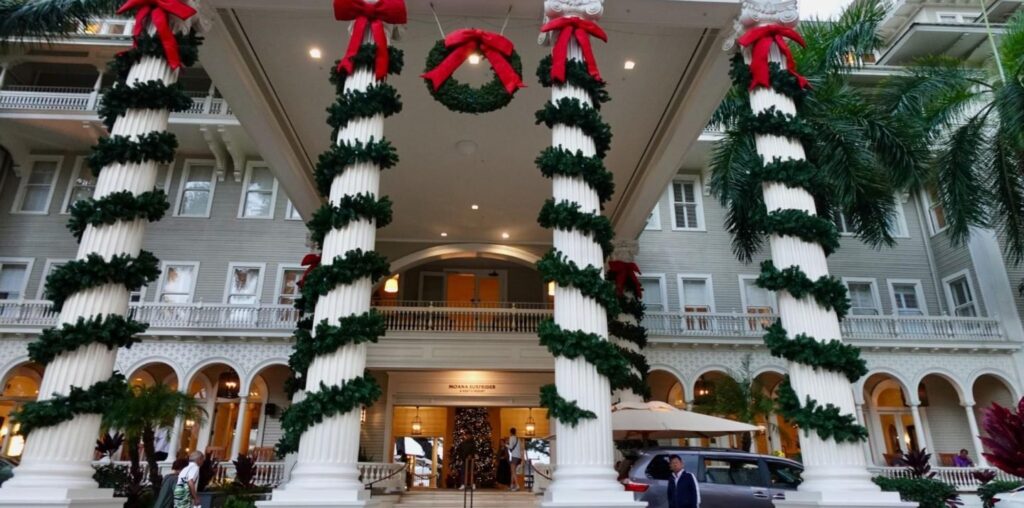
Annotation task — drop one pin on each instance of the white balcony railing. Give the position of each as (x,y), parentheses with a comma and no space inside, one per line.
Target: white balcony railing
(378,475)
(960,477)
(52,98)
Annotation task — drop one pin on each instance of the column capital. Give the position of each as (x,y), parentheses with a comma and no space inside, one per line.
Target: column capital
(763,12)
(586,9)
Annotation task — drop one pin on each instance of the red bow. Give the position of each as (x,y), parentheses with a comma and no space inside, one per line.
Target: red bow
(310,261)
(762,38)
(626,272)
(582,29)
(157,11)
(496,48)
(374,15)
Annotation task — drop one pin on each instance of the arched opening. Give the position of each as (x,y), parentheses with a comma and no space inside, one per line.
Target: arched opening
(989,389)
(780,436)
(150,375)
(20,385)
(261,426)
(667,388)
(219,390)
(890,421)
(944,418)
(704,393)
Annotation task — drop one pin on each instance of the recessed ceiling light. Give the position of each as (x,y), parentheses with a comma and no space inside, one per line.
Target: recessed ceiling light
(629,65)
(474,58)
(444,234)
(315,53)
(504,235)
(475,207)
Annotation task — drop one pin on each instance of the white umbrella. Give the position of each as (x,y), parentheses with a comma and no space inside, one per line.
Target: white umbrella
(658,420)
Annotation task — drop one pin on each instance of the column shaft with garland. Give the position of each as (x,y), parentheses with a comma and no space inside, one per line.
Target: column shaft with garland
(626,330)
(91,292)
(816,394)
(329,360)
(587,365)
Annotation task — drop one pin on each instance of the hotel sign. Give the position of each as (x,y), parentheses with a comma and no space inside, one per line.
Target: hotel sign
(472,388)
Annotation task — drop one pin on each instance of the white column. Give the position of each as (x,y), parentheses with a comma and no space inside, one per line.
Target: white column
(915,412)
(3,73)
(862,419)
(94,96)
(175,439)
(206,427)
(56,466)
(236,442)
(972,424)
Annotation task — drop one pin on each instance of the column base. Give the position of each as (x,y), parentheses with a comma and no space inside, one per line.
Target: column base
(840,499)
(592,487)
(311,498)
(14,497)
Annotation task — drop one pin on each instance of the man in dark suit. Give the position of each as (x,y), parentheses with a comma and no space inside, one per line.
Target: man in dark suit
(683,490)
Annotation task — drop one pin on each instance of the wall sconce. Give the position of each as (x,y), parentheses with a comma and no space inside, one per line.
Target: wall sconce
(391,285)
(417,424)
(531,426)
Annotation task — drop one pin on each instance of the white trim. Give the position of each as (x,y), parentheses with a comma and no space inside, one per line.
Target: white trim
(249,167)
(654,219)
(962,17)
(29,263)
(281,267)
(168,180)
(184,178)
(46,270)
(288,208)
(874,292)
(743,294)
(698,197)
(918,288)
(950,302)
(710,289)
(901,216)
(262,267)
(662,286)
(933,228)
(27,174)
(163,277)
(75,171)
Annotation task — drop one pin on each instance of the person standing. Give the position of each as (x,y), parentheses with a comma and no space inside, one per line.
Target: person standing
(161,444)
(515,454)
(166,497)
(186,491)
(467,452)
(683,490)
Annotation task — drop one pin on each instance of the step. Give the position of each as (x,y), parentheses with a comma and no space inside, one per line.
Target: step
(481,499)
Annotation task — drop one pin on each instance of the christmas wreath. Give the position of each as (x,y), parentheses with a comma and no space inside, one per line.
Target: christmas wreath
(448,55)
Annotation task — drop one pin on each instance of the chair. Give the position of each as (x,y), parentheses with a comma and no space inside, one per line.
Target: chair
(262,454)
(215,452)
(946,459)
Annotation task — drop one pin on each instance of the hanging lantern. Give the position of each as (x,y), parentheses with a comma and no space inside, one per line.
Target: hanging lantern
(417,424)
(391,285)
(702,388)
(551,288)
(531,426)
(362,415)
(228,385)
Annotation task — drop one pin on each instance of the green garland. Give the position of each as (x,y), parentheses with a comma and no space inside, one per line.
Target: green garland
(802,225)
(793,173)
(638,381)
(355,329)
(366,57)
(113,330)
(93,271)
(341,156)
(566,273)
(327,402)
(567,412)
(152,94)
(828,291)
(354,265)
(561,162)
(772,122)
(571,112)
(150,45)
(567,216)
(463,98)
(118,206)
(827,420)
(156,146)
(782,81)
(627,331)
(600,353)
(832,355)
(377,99)
(363,206)
(577,75)
(62,408)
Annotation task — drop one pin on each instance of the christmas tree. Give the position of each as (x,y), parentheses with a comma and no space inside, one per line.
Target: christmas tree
(472,424)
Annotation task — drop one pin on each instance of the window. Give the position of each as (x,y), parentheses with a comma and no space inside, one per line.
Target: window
(288,285)
(695,293)
(654,219)
(844,226)
(960,294)
(178,283)
(897,225)
(654,293)
(907,298)
(196,192)
(244,284)
(758,301)
(163,176)
(259,193)
(291,213)
(48,268)
(936,213)
(36,188)
(732,471)
(863,297)
(957,17)
(658,468)
(688,213)
(784,476)
(14,278)
(82,184)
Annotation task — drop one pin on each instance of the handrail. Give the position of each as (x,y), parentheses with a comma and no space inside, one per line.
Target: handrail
(388,477)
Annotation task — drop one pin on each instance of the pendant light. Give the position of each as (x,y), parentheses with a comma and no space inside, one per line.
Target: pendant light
(551,288)
(391,285)
(417,424)
(531,426)
(702,388)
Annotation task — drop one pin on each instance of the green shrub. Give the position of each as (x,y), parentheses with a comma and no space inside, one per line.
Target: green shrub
(989,490)
(239,502)
(926,491)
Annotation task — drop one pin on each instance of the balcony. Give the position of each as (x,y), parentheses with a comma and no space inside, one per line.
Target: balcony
(86,100)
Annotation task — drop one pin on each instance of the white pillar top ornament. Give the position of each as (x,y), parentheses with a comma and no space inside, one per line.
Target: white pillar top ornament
(590,10)
(764,12)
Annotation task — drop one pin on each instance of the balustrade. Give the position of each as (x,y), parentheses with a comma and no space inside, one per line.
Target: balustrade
(62,98)
(960,477)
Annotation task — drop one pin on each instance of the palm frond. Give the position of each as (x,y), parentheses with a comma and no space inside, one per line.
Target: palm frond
(735,103)
(1006,183)
(836,45)
(732,160)
(1011,46)
(936,92)
(48,19)
(961,192)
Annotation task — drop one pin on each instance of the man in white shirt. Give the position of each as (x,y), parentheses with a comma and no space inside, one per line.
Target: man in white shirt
(186,492)
(683,489)
(161,443)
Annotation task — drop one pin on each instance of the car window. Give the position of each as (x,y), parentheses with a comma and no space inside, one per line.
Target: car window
(784,476)
(732,471)
(658,468)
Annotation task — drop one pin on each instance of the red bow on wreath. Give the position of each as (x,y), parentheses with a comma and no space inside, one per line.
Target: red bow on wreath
(762,38)
(582,29)
(463,43)
(374,15)
(156,11)
(310,261)
(626,272)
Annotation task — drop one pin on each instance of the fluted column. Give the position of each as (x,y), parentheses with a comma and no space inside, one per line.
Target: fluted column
(915,412)
(236,442)
(972,424)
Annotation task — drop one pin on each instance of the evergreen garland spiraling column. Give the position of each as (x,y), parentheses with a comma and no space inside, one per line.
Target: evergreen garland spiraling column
(626,330)
(92,291)
(329,359)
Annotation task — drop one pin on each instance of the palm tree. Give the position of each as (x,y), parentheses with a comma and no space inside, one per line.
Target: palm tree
(863,155)
(738,395)
(148,409)
(50,18)
(976,122)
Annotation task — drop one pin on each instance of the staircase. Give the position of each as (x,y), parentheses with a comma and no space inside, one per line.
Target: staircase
(481,499)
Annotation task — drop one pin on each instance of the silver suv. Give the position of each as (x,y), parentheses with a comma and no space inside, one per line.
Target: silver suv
(728,478)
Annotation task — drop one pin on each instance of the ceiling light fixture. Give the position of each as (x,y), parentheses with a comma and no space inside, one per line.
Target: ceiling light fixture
(531,426)
(630,65)
(417,424)
(391,285)
(444,235)
(474,207)
(474,58)
(505,236)
(315,53)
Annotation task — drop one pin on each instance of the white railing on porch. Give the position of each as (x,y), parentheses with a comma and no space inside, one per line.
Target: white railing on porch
(389,477)
(379,475)
(54,98)
(960,477)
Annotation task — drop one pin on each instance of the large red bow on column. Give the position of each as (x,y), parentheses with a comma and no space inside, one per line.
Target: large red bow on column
(626,272)
(310,261)
(156,11)
(495,47)
(373,15)
(580,28)
(762,38)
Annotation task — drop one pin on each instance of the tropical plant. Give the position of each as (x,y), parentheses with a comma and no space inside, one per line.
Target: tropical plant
(928,492)
(108,444)
(738,395)
(984,476)
(918,463)
(245,471)
(1005,437)
(988,491)
(47,19)
(207,473)
(975,118)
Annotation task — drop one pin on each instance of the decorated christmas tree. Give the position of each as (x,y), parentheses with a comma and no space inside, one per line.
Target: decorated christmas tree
(471,424)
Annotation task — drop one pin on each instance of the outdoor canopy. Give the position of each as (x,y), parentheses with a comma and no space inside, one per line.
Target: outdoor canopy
(658,420)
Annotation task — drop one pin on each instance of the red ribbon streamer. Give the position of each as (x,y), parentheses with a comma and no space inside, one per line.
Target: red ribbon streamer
(762,38)
(156,11)
(568,28)
(373,15)
(310,261)
(463,43)
(626,272)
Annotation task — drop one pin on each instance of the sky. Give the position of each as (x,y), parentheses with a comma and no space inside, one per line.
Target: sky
(821,8)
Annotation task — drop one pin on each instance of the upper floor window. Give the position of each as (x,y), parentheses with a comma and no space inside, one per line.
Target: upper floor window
(288,285)
(244,284)
(960,293)
(195,196)
(695,293)
(756,300)
(863,297)
(907,297)
(290,212)
(936,212)
(259,193)
(48,268)
(178,283)
(687,209)
(654,293)
(897,224)
(14,278)
(82,184)
(37,185)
